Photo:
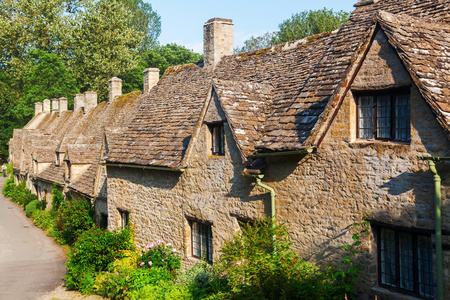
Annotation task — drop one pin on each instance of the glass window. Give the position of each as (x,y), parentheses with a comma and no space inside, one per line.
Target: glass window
(384,116)
(124,218)
(218,139)
(406,261)
(201,240)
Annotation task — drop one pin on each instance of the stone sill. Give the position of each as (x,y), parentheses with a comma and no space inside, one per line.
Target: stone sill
(378,143)
(385,294)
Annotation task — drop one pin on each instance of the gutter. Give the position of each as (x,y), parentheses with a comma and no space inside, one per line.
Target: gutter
(143,167)
(303,151)
(437,222)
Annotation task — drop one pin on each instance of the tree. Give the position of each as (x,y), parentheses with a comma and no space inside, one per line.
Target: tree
(145,20)
(300,25)
(103,44)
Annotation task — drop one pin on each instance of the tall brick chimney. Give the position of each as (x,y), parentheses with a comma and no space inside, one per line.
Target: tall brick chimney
(78,102)
(218,40)
(37,108)
(62,104)
(90,101)
(151,78)
(46,106)
(115,87)
(55,105)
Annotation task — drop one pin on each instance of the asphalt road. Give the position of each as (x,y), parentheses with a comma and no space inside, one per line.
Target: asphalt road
(31,264)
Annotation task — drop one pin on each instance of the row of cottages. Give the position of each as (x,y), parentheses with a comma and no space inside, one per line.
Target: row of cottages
(317,131)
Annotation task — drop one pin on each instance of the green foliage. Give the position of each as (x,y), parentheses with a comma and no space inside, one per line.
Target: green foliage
(9,187)
(166,291)
(9,170)
(300,25)
(47,78)
(31,207)
(168,55)
(27,198)
(74,218)
(57,197)
(43,219)
(94,251)
(200,279)
(19,191)
(160,255)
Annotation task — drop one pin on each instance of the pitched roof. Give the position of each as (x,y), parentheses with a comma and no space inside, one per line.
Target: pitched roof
(424,47)
(160,132)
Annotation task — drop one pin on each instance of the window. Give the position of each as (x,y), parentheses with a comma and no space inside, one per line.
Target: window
(124,218)
(384,117)
(405,261)
(217,139)
(201,240)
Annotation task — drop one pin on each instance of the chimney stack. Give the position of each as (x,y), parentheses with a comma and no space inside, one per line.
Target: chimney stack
(90,101)
(151,78)
(218,40)
(115,87)
(62,104)
(46,105)
(78,102)
(55,105)
(37,108)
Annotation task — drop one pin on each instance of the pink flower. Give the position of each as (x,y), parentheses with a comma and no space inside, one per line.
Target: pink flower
(150,263)
(150,246)
(159,242)
(140,255)
(142,263)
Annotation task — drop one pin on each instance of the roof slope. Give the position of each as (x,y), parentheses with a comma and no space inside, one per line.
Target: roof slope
(160,132)
(424,47)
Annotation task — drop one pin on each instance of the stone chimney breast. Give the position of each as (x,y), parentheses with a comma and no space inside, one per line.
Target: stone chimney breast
(151,78)
(62,104)
(37,108)
(46,106)
(364,2)
(218,40)
(115,87)
(55,105)
(78,102)
(90,101)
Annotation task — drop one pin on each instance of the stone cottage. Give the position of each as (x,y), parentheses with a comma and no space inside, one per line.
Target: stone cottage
(317,132)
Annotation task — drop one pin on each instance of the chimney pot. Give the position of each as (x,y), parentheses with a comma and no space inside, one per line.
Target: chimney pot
(90,101)
(55,105)
(46,105)
(218,40)
(37,108)
(62,104)
(115,87)
(78,102)
(151,78)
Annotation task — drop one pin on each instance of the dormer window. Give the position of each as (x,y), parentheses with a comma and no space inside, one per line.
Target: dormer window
(58,159)
(217,138)
(384,116)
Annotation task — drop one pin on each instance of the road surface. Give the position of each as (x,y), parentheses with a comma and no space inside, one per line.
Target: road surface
(31,264)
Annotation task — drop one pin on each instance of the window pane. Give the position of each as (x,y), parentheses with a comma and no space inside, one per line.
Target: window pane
(387,244)
(365,117)
(402,118)
(384,117)
(425,265)
(210,246)
(195,240)
(406,259)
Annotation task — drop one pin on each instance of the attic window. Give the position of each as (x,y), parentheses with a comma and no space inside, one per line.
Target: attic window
(217,138)
(384,116)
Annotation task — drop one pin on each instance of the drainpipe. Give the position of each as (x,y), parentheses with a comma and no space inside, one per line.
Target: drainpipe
(271,190)
(438,229)
(437,223)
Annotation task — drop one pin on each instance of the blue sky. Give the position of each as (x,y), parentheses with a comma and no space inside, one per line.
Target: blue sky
(182,21)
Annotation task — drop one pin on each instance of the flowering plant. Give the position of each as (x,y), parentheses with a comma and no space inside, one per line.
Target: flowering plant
(161,255)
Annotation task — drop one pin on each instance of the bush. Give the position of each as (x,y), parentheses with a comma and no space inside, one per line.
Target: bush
(165,291)
(18,193)
(43,219)
(57,197)
(27,198)
(8,188)
(160,255)
(94,251)
(74,218)
(200,279)
(31,207)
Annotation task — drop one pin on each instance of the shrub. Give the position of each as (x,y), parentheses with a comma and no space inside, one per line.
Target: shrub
(43,219)
(200,279)
(94,251)
(27,198)
(18,192)
(57,197)
(8,188)
(165,291)
(31,207)
(74,218)
(160,255)
(42,205)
